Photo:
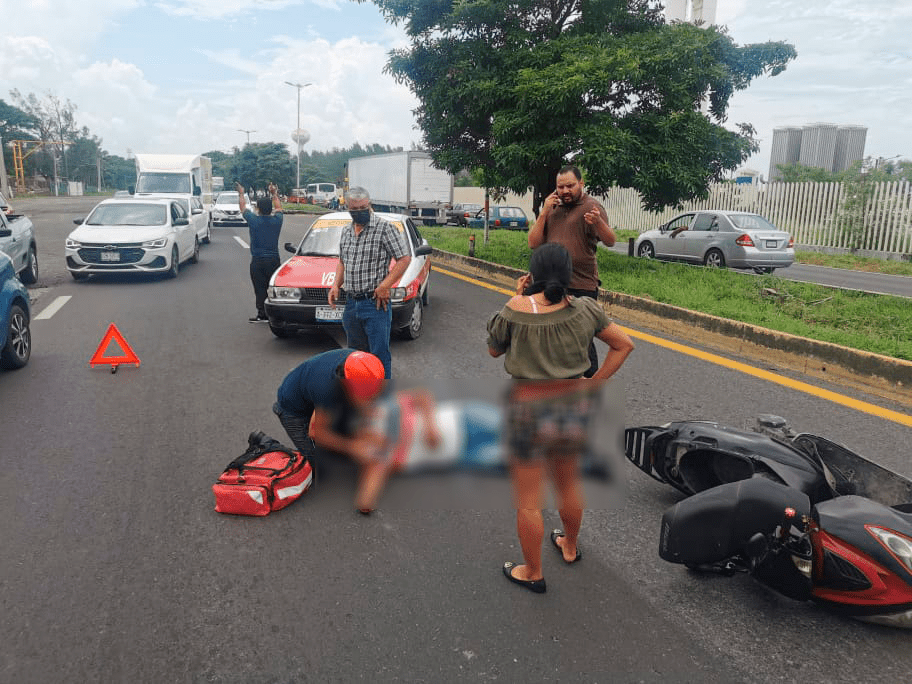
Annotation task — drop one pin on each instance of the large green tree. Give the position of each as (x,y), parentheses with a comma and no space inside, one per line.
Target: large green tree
(517,88)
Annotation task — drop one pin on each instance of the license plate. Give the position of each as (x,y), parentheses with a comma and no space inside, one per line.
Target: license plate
(325,313)
(110,256)
(771,244)
(514,223)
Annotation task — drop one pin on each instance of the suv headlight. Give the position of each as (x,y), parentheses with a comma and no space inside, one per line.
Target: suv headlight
(72,244)
(287,294)
(154,244)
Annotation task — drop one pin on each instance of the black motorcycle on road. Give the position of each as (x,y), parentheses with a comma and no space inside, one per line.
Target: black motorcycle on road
(804,515)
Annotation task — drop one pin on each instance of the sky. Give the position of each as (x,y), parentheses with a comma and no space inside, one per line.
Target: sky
(190,76)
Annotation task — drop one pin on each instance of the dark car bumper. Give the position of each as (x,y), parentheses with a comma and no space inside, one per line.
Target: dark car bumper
(293,316)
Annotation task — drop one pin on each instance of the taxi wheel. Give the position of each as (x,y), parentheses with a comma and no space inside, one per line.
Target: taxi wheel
(413,330)
(195,257)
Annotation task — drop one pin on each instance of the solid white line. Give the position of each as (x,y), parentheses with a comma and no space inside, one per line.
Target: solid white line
(52,308)
(241,242)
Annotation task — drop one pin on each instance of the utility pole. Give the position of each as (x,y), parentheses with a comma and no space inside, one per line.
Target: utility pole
(244,130)
(297,135)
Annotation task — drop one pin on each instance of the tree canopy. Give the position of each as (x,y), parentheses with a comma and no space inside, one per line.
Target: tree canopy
(518,88)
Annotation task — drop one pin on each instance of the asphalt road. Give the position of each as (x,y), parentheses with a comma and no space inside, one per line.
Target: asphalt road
(116,568)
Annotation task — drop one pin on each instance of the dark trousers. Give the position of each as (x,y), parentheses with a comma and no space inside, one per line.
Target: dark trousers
(261,270)
(593,354)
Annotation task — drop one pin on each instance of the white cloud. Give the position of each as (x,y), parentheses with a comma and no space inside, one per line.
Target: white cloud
(223,9)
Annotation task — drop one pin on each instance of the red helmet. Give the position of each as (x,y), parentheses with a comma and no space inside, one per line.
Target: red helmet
(363,373)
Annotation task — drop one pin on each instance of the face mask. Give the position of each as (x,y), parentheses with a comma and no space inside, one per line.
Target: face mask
(361,216)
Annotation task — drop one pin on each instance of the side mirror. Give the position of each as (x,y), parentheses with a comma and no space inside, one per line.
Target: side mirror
(290,248)
(131,189)
(197,191)
(78,222)
(424,250)
(6,232)
(181,222)
(197,211)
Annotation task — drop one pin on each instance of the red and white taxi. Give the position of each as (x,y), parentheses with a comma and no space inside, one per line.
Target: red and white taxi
(297,295)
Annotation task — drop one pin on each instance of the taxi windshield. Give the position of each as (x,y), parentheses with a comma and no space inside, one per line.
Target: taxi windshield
(323,238)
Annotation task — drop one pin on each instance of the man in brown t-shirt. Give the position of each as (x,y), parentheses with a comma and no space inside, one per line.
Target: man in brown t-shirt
(572,218)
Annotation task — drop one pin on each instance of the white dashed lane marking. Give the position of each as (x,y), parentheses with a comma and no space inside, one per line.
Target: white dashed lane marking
(52,308)
(241,242)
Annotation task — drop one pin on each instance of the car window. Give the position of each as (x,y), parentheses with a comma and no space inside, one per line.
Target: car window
(178,211)
(751,221)
(323,238)
(703,222)
(327,187)
(680,221)
(228,198)
(128,215)
(197,204)
(414,235)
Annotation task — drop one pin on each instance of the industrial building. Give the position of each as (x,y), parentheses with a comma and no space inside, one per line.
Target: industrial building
(823,145)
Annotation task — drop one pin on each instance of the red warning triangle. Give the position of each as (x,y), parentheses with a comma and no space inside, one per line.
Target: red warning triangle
(128,356)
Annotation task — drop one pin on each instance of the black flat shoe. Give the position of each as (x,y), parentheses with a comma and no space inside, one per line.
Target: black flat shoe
(560,533)
(538,586)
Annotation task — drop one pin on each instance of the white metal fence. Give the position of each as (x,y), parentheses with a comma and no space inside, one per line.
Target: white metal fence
(811,212)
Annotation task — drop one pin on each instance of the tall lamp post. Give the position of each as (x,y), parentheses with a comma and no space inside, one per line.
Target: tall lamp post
(244,130)
(297,136)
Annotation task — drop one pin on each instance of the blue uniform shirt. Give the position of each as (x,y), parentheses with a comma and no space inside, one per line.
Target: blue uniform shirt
(313,382)
(264,233)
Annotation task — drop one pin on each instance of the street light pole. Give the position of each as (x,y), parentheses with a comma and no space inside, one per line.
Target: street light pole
(299,86)
(244,130)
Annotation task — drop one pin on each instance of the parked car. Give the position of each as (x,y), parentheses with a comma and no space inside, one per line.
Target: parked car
(17,241)
(152,235)
(513,218)
(735,239)
(297,294)
(5,207)
(459,214)
(15,314)
(227,210)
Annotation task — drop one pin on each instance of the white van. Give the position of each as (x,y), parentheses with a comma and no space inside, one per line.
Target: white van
(322,193)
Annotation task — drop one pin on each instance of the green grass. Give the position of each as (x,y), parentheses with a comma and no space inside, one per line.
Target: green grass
(874,323)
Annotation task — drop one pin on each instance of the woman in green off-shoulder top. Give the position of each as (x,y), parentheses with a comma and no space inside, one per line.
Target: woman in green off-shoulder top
(544,335)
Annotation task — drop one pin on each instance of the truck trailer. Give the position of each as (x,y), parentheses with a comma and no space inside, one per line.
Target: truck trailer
(404,183)
(170,175)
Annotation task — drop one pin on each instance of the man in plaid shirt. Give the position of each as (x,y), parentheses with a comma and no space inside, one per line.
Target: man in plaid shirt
(368,243)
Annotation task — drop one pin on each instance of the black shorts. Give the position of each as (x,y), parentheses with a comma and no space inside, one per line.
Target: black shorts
(554,427)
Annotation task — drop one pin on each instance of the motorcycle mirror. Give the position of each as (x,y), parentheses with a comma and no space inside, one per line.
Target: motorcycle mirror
(757,546)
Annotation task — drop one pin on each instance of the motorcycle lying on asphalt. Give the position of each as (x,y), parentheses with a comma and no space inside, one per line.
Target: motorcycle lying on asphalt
(803,515)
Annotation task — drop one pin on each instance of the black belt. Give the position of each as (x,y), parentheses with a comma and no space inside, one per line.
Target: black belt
(360,296)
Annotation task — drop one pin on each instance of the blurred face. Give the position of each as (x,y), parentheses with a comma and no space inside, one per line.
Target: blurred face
(569,188)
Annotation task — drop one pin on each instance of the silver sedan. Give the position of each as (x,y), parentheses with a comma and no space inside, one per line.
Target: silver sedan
(734,239)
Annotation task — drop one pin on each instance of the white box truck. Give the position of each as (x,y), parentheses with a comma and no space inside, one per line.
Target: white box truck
(173,175)
(404,183)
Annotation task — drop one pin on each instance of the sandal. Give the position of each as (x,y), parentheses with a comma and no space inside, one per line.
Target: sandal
(538,586)
(560,533)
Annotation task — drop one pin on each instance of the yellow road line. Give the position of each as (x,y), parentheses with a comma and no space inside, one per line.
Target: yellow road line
(863,406)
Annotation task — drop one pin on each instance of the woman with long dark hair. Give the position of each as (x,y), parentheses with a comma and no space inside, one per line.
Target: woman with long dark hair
(544,335)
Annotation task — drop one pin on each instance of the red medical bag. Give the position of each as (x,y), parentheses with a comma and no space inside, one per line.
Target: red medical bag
(266,478)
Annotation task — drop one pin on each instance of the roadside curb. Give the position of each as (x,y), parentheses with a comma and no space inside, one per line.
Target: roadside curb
(876,374)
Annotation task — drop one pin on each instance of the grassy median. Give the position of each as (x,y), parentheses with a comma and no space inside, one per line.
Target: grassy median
(874,323)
